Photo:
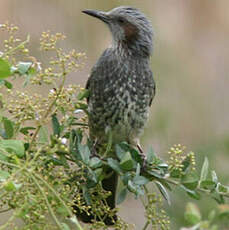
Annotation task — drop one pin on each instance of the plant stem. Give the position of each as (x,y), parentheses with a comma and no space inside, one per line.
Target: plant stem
(47,202)
(146,225)
(9,164)
(59,198)
(51,105)
(8,222)
(17,47)
(198,188)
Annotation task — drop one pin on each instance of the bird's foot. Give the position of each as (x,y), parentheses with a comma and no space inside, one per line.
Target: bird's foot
(143,157)
(93,149)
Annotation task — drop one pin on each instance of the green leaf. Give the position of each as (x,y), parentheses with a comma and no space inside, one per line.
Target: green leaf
(223,212)
(62,210)
(95,162)
(138,169)
(25,130)
(190,180)
(127,163)
(150,155)
(23,67)
(32,71)
(163,191)
(83,94)
(175,173)
(126,177)
(207,184)
(3,175)
(120,152)
(87,195)
(204,170)
(84,153)
(218,197)
(132,187)
(13,146)
(4,69)
(43,135)
(222,188)
(8,85)
(9,128)
(134,153)
(140,180)
(3,156)
(64,226)
(162,165)
(192,214)
(122,196)
(155,173)
(9,186)
(114,164)
(165,184)
(98,173)
(12,186)
(55,125)
(191,193)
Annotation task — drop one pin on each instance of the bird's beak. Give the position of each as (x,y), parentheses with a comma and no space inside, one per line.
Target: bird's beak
(97,14)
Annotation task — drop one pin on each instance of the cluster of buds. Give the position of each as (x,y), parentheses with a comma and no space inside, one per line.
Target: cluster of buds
(13,44)
(10,28)
(25,107)
(60,64)
(66,99)
(191,156)
(155,214)
(176,157)
(48,41)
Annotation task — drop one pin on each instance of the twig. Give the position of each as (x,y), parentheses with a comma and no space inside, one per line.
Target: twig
(59,198)
(176,183)
(146,225)
(47,202)
(17,47)
(64,73)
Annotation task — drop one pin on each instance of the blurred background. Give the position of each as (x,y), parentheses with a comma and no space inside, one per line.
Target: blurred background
(190,64)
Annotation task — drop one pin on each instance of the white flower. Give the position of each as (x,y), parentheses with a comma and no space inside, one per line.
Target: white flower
(64,141)
(39,68)
(52,91)
(78,111)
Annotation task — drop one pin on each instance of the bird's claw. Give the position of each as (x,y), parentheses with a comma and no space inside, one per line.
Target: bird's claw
(143,157)
(93,150)
(144,161)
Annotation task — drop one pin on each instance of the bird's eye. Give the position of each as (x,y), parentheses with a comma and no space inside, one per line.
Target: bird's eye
(121,20)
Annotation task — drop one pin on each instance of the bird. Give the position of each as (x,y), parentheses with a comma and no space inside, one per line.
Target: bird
(121,85)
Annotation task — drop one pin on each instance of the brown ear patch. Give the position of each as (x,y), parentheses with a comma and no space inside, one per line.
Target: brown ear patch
(131,32)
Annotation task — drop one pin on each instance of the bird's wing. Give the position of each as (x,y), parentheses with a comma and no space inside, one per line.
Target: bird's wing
(88,88)
(101,71)
(152,87)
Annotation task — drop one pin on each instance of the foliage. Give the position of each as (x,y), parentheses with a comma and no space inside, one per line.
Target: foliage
(216,219)
(48,163)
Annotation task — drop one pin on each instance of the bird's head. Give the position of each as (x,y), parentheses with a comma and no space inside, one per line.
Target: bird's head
(131,30)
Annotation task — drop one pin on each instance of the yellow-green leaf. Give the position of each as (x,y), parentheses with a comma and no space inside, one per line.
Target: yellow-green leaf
(4,69)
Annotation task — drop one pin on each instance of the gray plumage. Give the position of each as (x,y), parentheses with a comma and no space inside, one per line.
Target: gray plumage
(121,85)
